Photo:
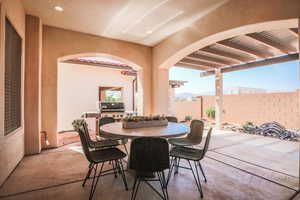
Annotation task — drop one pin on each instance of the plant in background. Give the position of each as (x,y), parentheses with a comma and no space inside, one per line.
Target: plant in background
(188,118)
(249,126)
(211,113)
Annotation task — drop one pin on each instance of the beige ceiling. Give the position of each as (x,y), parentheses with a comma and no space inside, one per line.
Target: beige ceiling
(141,21)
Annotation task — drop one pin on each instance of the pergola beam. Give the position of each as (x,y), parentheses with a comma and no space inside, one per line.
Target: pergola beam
(210,59)
(199,62)
(97,64)
(244,49)
(192,66)
(225,54)
(269,61)
(270,43)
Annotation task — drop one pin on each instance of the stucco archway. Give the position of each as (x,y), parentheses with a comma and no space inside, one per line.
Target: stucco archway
(59,44)
(78,87)
(211,39)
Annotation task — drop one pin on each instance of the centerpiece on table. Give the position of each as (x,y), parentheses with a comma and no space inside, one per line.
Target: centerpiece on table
(144,121)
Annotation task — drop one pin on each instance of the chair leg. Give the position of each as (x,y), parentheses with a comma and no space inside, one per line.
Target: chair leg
(170,170)
(94,184)
(91,166)
(177,166)
(135,188)
(123,174)
(114,164)
(163,184)
(202,171)
(197,180)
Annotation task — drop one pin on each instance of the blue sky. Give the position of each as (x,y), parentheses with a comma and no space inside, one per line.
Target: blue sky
(277,77)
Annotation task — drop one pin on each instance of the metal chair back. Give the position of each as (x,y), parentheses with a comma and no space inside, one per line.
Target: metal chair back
(205,149)
(149,154)
(106,120)
(82,131)
(103,121)
(196,134)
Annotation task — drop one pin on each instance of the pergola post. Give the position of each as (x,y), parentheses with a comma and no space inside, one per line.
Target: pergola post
(219,97)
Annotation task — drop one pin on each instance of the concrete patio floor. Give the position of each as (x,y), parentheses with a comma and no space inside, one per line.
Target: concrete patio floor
(238,166)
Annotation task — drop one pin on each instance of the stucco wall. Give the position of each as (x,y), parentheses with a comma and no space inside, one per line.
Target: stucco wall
(12,145)
(58,43)
(188,108)
(78,91)
(258,108)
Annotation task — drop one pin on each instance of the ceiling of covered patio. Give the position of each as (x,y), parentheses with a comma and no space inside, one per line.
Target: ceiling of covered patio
(139,21)
(245,51)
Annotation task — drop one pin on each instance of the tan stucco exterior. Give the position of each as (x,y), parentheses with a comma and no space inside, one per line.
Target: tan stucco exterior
(12,145)
(258,108)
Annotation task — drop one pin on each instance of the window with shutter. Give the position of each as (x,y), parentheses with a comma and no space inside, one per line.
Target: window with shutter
(12,81)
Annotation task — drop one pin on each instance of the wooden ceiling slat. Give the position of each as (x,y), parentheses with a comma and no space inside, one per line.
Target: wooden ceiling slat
(270,43)
(244,49)
(201,63)
(225,54)
(210,59)
(191,66)
(98,64)
(261,63)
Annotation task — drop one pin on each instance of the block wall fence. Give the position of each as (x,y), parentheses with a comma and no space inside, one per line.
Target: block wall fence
(282,107)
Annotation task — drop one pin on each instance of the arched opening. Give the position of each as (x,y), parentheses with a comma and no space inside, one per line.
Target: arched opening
(85,80)
(248,148)
(162,65)
(211,39)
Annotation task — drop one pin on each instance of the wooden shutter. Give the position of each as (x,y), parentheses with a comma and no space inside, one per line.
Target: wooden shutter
(13,57)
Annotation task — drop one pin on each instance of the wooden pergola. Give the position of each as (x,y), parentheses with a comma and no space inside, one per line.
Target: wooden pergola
(242,52)
(126,70)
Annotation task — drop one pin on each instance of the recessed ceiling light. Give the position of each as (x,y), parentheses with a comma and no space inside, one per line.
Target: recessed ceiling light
(58,8)
(149,32)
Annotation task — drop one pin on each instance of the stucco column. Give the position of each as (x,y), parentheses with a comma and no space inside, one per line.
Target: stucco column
(32,104)
(219,97)
(160,91)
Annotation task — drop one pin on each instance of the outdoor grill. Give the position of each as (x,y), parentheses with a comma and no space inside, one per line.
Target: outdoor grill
(112,109)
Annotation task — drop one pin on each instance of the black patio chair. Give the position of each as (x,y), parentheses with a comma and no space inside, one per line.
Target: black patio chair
(191,154)
(99,143)
(100,156)
(193,138)
(172,119)
(149,157)
(120,141)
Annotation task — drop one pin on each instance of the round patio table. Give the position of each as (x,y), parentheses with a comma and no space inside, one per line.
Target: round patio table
(171,130)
